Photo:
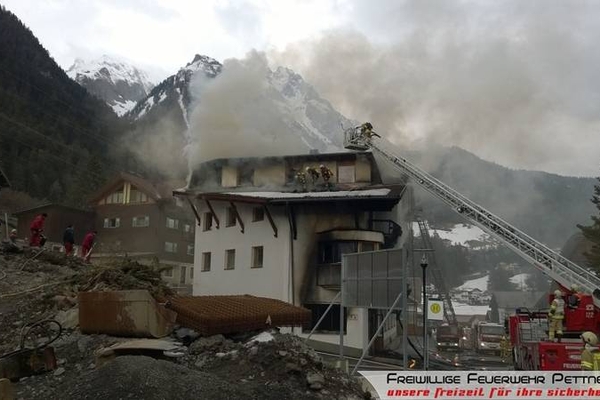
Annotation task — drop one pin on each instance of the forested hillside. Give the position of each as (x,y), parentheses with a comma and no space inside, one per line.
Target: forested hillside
(56,141)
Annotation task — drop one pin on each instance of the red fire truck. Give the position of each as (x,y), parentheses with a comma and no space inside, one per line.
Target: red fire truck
(529,336)
(448,337)
(488,337)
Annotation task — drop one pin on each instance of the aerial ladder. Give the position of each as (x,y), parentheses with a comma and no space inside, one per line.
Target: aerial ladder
(563,271)
(436,272)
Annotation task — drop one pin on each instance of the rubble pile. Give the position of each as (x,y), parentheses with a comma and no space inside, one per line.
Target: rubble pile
(281,365)
(268,365)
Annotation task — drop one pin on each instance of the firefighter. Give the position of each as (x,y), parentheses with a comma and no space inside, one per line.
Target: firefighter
(505,348)
(13,236)
(556,316)
(313,173)
(326,173)
(36,228)
(574,298)
(366,130)
(590,357)
(301,178)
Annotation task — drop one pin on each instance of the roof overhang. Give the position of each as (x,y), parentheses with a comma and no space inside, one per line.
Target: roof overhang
(391,193)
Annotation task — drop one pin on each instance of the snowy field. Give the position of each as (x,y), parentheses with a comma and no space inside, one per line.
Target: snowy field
(459,234)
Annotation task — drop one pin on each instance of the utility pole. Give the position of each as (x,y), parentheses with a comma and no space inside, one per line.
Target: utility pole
(424,264)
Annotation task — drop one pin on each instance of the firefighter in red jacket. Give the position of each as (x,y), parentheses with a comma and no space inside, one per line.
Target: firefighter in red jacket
(36,228)
(87,245)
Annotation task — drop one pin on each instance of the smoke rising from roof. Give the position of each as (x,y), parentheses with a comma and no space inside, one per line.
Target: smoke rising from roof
(514,82)
(235,116)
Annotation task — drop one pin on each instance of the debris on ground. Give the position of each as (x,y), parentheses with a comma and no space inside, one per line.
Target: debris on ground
(249,365)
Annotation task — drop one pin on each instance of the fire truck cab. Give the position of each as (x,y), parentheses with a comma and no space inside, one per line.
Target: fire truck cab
(488,337)
(448,337)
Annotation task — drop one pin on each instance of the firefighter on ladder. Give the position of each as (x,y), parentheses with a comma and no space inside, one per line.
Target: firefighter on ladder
(590,357)
(556,316)
(366,130)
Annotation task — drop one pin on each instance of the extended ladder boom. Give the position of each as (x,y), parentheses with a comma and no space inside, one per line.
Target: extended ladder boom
(557,267)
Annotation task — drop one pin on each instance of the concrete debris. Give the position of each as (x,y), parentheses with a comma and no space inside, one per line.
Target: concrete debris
(68,319)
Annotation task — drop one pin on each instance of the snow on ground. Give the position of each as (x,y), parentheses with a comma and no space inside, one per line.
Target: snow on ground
(466,309)
(459,234)
(520,280)
(479,283)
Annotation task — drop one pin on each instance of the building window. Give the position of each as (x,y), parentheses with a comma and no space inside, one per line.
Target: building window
(230,217)
(172,223)
(230,259)
(207,221)
(170,247)
(258,214)
(168,272)
(331,321)
(115,197)
(141,221)
(257,257)
(190,249)
(346,174)
(112,222)
(187,228)
(205,261)
(191,273)
(135,196)
(182,274)
(367,246)
(331,252)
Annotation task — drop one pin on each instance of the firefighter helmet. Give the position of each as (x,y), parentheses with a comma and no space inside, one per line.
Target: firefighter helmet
(557,293)
(590,338)
(575,287)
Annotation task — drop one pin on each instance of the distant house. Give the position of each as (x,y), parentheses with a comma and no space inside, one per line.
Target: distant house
(504,304)
(59,217)
(143,220)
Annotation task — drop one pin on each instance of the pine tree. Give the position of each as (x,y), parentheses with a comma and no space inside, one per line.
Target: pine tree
(592,232)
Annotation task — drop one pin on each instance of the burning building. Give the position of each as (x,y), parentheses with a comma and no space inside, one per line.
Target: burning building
(277,227)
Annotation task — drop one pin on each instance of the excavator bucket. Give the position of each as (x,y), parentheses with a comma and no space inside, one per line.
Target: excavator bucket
(132,313)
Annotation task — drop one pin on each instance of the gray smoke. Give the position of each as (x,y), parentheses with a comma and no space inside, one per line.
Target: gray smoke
(235,115)
(515,82)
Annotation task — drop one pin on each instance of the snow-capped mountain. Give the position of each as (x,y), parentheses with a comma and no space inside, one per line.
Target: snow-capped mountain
(119,84)
(308,115)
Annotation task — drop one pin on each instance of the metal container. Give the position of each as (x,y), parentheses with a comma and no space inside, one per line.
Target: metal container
(131,313)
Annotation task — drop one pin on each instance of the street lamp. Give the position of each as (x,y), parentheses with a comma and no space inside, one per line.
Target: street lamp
(424,264)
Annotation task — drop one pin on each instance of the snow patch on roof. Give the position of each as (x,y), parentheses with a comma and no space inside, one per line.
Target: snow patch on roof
(289,195)
(466,309)
(479,283)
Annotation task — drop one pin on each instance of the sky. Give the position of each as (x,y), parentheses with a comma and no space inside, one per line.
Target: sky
(514,82)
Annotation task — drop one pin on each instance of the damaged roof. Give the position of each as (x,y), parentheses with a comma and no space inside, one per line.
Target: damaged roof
(380,192)
(210,315)
(155,191)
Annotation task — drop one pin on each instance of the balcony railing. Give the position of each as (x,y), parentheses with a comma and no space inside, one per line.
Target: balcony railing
(329,275)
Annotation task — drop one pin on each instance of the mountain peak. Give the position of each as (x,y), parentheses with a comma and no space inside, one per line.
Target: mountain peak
(115,81)
(208,65)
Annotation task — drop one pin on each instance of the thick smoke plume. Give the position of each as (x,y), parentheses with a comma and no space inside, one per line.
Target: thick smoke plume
(514,82)
(235,115)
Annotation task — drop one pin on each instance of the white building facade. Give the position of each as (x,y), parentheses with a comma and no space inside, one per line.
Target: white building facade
(263,232)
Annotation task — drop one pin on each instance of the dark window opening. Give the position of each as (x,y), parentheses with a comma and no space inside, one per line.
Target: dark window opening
(331,322)
(331,252)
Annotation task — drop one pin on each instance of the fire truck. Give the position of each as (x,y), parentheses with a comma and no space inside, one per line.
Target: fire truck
(528,330)
(487,337)
(448,337)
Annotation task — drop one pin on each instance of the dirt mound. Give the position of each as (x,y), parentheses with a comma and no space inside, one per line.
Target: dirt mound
(139,377)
